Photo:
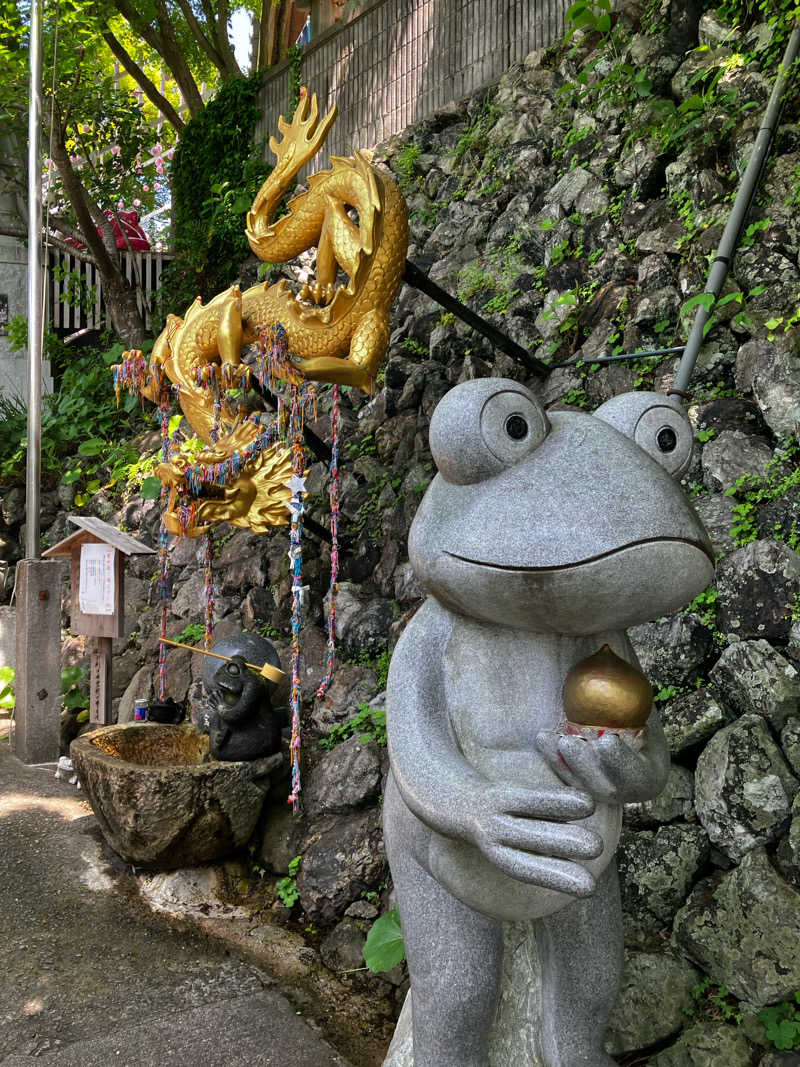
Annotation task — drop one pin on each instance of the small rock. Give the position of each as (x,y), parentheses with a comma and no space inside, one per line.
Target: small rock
(757,587)
(744,929)
(715,511)
(671,651)
(363,623)
(707,1045)
(280,842)
(343,859)
(362,909)
(790,743)
(675,801)
(750,676)
(654,994)
(732,454)
(347,777)
(774,378)
(743,787)
(350,687)
(691,719)
(657,868)
(343,948)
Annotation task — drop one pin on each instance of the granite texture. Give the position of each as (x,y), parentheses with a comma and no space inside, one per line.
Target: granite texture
(539,540)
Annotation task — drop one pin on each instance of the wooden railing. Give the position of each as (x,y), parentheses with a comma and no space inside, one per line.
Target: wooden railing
(75,292)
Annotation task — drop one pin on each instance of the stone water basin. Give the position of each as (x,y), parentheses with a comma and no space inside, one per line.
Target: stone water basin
(160,799)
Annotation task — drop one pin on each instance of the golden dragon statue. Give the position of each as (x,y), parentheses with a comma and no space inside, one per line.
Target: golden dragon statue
(357,218)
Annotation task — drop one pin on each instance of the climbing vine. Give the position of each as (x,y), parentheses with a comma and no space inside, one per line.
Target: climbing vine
(217,171)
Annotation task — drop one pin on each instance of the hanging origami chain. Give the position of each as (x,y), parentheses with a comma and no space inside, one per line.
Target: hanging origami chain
(163,393)
(297,486)
(334,586)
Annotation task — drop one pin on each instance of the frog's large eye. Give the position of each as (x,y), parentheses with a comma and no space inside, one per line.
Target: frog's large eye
(666,436)
(511,425)
(482,427)
(656,423)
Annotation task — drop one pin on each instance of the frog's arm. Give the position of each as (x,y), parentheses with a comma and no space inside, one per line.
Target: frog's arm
(426,762)
(527,833)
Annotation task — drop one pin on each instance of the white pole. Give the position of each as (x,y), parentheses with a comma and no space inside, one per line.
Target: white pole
(35,310)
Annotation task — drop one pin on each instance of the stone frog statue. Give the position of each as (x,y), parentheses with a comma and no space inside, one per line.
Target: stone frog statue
(542,537)
(243,724)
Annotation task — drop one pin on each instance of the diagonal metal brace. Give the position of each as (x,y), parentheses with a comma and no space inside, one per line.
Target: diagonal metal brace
(419,280)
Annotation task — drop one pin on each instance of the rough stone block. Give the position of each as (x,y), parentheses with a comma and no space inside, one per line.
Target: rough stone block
(744,929)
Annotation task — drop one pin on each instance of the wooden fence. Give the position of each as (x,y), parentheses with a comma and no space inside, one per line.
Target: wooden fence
(399,61)
(75,293)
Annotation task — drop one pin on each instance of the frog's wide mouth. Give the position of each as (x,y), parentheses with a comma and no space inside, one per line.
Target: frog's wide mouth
(519,568)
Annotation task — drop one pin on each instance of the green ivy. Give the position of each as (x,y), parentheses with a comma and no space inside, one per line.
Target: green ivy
(217,171)
(286,888)
(369,723)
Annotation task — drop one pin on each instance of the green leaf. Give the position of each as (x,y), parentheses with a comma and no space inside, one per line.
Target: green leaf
(773,323)
(705,300)
(174,423)
(93,447)
(384,946)
(151,488)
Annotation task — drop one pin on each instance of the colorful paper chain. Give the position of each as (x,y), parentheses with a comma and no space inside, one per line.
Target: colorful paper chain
(166,449)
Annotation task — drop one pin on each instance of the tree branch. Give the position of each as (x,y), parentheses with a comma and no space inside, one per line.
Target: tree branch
(223,41)
(145,84)
(20,232)
(200,36)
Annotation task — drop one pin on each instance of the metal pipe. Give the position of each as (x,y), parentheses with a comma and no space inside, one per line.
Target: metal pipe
(741,206)
(651,353)
(34,304)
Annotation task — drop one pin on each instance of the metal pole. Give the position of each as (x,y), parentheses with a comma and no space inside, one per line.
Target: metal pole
(35,310)
(741,206)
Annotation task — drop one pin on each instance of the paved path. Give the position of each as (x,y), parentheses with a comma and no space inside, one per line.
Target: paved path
(89,977)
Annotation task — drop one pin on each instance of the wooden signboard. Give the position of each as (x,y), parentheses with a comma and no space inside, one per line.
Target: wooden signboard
(97,554)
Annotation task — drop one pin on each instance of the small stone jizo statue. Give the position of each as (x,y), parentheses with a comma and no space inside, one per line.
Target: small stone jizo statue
(539,541)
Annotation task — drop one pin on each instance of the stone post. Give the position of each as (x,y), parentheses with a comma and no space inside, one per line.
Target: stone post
(37,714)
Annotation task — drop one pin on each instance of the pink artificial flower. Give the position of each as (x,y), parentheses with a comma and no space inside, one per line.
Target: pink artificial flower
(159,166)
(137,202)
(73,159)
(157,150)
(120,205)
(115,150)
(146,188)
(156,186)
(171,153)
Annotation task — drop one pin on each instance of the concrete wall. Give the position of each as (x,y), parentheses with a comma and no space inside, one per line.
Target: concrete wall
(401,60)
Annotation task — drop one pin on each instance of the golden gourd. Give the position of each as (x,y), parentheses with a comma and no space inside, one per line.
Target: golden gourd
(605,691)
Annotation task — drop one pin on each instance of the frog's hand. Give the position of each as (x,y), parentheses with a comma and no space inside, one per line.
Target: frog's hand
(608,768)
